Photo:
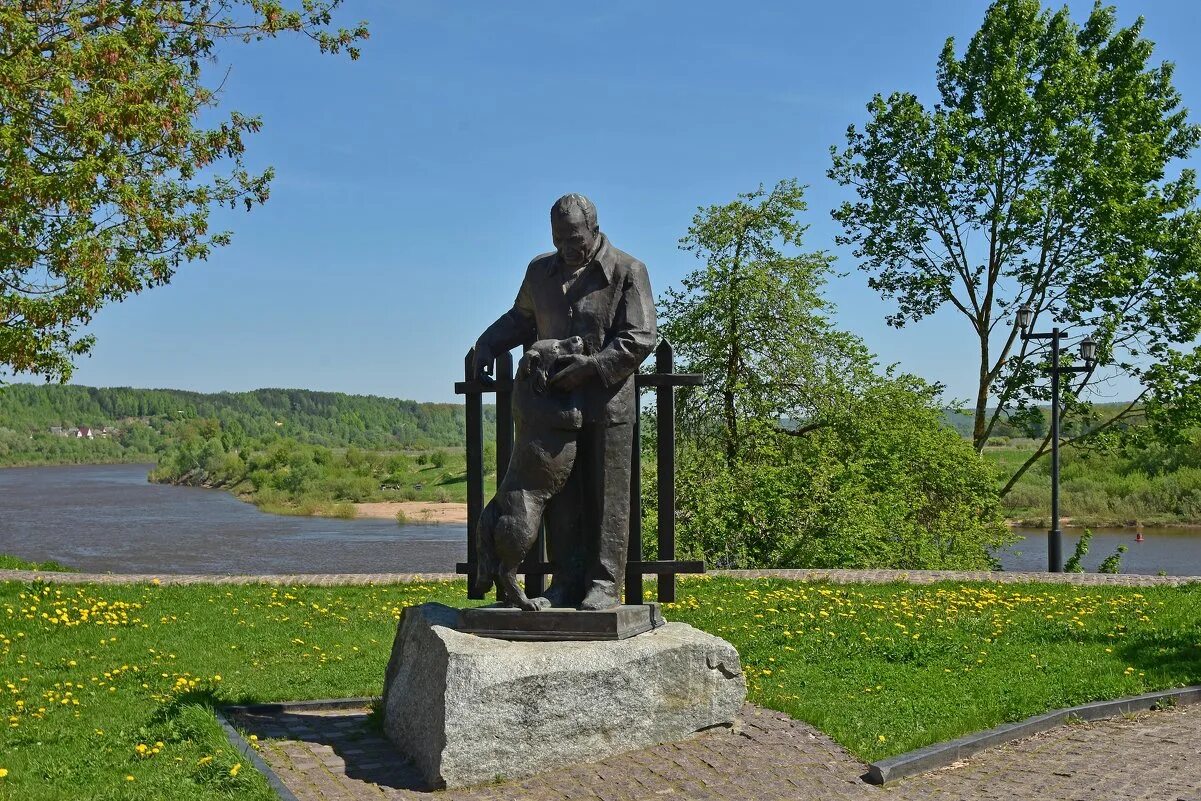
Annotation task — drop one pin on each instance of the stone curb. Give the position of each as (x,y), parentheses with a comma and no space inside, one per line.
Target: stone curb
(273,707)
(832,576)
(180,579)
(940,755)
(240,744)
(839,576)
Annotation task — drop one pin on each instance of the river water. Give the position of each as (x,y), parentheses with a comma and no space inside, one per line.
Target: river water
(1175,551)
(108,518)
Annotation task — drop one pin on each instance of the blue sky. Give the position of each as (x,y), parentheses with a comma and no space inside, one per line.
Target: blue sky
(413,185)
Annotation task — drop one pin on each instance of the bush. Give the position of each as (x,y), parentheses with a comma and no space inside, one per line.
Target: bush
(344,510)
(885,485)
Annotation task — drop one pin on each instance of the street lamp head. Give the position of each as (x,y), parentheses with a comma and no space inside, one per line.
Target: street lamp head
(1088,350)
(1025,316)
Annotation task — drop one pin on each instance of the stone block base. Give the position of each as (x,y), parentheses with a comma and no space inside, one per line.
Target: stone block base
(468,709)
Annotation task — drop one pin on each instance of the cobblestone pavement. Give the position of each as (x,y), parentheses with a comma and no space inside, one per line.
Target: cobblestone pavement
(1155,756)
(335,756)
(835,576)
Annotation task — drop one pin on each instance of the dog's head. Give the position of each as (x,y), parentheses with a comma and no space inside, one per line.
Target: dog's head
(538,362)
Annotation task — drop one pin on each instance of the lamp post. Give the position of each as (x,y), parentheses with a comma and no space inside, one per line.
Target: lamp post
(1088,352)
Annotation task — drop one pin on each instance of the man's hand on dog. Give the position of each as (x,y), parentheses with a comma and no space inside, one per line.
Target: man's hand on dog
(572,371)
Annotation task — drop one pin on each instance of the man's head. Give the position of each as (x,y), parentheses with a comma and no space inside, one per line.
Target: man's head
(573,228)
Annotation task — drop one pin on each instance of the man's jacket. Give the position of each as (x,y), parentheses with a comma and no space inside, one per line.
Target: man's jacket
(609,306)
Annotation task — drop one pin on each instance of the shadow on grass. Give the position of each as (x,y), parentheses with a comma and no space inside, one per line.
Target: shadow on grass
(354,735)
(1174,654)
(450,480)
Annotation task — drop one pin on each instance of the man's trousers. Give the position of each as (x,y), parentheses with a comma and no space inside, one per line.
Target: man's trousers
(588,523)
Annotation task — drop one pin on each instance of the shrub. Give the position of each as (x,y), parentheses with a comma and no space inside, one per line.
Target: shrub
(885,485)
(1074,564)
(344,510)
(1113,562)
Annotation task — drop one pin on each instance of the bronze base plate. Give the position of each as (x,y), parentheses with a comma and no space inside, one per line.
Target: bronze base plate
(507,623)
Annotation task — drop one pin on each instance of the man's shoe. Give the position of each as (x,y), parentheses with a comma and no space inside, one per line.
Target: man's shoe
(601,595)
(557,595)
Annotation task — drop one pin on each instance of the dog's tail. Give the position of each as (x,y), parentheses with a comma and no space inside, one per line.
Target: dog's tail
(485,551)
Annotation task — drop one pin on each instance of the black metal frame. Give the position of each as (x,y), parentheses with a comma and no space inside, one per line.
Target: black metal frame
(536,568)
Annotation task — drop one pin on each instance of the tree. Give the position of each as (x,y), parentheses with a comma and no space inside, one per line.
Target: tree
(1041,176)
(796,452)
(753,321)
(107,177)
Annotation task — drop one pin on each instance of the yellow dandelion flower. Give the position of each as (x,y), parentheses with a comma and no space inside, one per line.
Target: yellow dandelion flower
(234,770)
(3,772)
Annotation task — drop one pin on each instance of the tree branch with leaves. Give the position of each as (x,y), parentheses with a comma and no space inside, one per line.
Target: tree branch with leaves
(107,177)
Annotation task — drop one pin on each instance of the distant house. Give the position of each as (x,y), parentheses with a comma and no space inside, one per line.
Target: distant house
(58,431)
(83,432)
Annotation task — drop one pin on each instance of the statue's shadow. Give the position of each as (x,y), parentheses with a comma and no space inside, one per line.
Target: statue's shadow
(339,741)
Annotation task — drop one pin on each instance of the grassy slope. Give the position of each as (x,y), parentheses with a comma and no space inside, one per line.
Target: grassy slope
(8,562)
(446,484)
(1092,491)
(1096,490)
(882,669)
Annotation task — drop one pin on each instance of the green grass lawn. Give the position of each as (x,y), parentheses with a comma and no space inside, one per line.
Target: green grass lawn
(106,691)
(8,562)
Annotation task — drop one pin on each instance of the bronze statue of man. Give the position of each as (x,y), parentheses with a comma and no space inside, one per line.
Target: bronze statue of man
(590,289)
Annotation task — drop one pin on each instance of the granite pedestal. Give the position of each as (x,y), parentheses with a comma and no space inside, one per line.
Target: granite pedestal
(467,709)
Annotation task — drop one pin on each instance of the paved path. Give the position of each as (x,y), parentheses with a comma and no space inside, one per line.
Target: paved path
(835,576)
(335,756)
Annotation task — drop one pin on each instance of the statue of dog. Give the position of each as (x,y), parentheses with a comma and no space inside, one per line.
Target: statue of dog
(547,424)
